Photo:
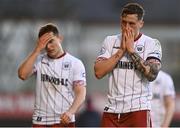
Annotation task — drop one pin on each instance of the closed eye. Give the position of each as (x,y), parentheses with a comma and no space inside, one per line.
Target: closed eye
(51,41)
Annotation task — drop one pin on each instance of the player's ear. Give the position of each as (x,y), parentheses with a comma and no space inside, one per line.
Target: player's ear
(141,23)
(61,37)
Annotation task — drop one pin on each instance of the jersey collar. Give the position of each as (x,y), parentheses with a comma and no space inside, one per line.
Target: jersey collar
(140,34)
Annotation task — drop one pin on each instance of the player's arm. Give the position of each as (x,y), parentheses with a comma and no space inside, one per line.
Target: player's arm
(103,65)
(169,104)
(80,94)
(26,68)
(148,68)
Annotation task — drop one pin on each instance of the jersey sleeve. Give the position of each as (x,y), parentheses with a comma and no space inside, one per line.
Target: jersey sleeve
(155,50)
(79,72)
(35,66)
(169,87)
(104,51)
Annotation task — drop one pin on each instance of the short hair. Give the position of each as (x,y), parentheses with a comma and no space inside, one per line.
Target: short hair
(133,8)
(48,28)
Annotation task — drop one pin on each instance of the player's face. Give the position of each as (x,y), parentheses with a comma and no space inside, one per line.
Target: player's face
(53,47)
(131,20)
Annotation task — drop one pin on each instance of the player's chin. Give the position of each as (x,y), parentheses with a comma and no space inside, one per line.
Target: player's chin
(51,54)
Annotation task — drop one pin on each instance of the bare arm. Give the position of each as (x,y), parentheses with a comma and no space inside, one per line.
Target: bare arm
(104,66)
(169,104)
(80,94)
(26,68)
(149,68)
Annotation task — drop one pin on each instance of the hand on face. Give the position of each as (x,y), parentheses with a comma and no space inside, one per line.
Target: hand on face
(128,38)
(43,40)
(123,41)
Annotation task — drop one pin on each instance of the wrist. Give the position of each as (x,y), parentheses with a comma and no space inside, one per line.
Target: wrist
(71,111)
(131,51)
(37,51)
(119,53)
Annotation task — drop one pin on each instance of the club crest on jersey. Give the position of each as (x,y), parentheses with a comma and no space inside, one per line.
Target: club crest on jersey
(139,48)
(66,65)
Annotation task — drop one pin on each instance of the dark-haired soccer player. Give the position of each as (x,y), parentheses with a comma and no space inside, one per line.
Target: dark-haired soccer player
(131,59)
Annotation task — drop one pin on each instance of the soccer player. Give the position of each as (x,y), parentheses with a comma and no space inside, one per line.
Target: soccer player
(60,80)
(163,101)
(131,59)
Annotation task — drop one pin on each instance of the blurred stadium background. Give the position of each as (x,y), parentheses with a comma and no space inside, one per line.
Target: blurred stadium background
(84,24)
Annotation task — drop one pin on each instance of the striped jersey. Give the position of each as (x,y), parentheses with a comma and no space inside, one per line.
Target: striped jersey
(162,86)
(128,89)
(54,86)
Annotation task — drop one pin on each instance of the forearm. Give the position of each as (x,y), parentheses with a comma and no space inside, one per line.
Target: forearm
(169,109)
(103,67)
(78,100)
(26,67)
(149,70)
(167,119)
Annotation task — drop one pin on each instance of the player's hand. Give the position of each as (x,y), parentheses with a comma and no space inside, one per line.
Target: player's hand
(129,39)
(123,44)
(43,40)
(66,118)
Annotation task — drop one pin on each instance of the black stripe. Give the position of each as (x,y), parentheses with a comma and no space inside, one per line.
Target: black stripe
(116,47)
(152,57)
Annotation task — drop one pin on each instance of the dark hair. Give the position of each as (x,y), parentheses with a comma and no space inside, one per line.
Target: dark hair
(133,8)
(48,28)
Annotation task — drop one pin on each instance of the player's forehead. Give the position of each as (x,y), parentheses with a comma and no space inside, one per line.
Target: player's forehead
(130,17)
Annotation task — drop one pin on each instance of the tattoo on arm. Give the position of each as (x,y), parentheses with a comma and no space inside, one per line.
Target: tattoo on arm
(149,69)
(117,56)
(79,82)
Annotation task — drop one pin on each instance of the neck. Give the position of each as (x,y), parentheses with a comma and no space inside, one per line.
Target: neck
(60,54)
(137,36)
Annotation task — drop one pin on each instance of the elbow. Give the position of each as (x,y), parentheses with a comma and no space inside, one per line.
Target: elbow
(98,72)
(22,78)
(151,78)
(98,75)
(21,75)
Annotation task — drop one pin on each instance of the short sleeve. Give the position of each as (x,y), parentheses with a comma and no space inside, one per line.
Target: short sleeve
(35,66)
(79,72)
(155,50)
(104,52)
